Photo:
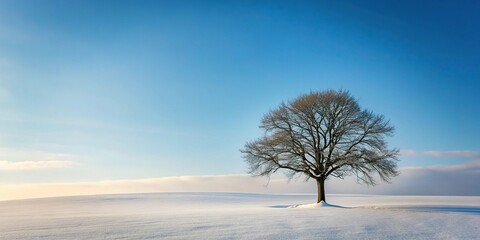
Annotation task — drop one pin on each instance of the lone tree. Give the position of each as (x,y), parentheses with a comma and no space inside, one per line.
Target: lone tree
(323,134)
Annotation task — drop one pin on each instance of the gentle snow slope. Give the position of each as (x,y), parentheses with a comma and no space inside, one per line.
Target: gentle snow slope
(240,216)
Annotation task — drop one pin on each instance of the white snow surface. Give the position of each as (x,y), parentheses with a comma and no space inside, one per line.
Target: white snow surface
(240,216)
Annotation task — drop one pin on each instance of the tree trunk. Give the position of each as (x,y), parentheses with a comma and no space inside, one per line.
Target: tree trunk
(320,190)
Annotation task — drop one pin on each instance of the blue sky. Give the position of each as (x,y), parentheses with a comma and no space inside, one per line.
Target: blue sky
(95,91)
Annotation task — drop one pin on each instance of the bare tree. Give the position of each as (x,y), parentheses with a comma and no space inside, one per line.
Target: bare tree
(323,134)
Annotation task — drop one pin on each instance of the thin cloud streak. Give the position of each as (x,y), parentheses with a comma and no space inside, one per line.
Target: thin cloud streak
(466,154)
(442,154)
(24,160)
(34,165)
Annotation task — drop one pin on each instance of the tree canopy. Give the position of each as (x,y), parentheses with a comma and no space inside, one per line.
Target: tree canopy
(321,135)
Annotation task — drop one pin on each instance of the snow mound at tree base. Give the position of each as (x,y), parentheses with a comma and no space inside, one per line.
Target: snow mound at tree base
(321,204)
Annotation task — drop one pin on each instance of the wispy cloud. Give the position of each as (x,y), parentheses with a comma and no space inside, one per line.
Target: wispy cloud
(23,160)
(441,154)
(33,165)
(466,154)
(471,166)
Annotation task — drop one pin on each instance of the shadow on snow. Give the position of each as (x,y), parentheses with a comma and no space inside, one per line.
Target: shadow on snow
(449,209)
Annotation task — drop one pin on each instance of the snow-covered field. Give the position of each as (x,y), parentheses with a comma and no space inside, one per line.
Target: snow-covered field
(240,216)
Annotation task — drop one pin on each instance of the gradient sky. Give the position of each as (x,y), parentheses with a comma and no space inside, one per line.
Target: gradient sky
(109,90)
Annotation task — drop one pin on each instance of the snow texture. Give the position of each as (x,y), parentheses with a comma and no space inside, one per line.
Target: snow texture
(240,216)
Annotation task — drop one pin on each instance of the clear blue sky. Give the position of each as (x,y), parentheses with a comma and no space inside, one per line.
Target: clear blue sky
(138,89)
